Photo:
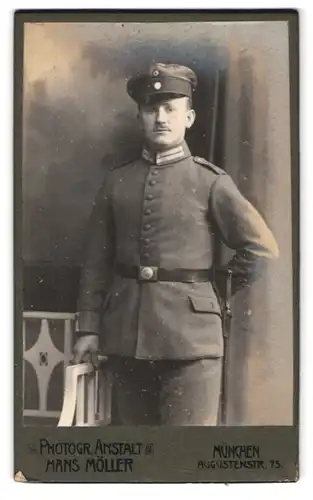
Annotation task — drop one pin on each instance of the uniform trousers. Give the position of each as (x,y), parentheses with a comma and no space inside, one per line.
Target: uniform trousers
(166,392)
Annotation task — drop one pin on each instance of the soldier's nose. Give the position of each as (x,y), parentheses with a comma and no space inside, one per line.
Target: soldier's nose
(160,115)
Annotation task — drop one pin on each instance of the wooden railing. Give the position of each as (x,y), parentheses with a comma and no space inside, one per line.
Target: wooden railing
(43,355)
(84,393)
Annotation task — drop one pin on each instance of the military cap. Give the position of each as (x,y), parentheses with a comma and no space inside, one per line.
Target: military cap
(160,79)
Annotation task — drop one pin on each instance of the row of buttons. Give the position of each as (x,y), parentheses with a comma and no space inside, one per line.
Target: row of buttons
(148,211)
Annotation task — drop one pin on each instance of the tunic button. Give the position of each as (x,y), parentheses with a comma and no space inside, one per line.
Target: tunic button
(149,196)
(148,211)
(146,255)
(152,182)
(154,172)
(147,226)
(147,240)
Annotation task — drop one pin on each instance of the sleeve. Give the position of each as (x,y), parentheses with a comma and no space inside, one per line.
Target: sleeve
(98,262)
(242,229)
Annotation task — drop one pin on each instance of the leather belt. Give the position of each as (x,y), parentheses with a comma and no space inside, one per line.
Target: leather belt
(152,273)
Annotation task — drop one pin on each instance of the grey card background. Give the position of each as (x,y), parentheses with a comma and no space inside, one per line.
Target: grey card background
(78,119)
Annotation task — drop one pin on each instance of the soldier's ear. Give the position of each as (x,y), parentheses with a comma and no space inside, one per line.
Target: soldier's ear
(190,118)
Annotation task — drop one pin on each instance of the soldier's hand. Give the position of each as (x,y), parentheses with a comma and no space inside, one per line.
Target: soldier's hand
(86,349)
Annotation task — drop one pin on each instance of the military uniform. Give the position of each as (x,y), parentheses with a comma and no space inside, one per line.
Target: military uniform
(147,285)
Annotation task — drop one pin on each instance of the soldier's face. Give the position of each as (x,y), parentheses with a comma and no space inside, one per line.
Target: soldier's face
(164,123)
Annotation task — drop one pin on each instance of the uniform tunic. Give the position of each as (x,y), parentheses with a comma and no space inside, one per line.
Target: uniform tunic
(166,210)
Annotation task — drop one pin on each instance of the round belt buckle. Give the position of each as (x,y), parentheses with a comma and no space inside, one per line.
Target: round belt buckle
(146,273)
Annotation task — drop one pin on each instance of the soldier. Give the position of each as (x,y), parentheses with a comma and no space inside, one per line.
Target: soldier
(148,298)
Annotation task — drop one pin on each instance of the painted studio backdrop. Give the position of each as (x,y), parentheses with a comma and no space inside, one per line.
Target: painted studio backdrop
(78,120)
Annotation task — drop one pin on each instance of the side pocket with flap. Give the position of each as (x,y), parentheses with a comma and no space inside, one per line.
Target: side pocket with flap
(204,304)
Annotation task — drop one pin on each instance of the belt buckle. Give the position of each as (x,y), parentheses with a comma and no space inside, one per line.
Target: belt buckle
(148,273)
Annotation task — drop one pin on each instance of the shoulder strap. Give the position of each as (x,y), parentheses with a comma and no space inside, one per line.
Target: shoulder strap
(201,161)
(120,165)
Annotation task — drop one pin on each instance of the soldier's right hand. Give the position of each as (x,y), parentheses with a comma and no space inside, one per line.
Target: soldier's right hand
(86,349)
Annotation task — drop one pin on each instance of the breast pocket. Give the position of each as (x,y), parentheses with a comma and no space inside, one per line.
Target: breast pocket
(200,304)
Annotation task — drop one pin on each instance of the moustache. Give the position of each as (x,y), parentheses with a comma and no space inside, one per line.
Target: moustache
(161,129)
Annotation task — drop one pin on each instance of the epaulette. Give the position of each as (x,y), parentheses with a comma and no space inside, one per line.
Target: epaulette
(209,165)
(120,165)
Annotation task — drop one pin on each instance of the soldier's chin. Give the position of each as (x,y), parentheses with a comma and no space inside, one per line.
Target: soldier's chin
(162,140)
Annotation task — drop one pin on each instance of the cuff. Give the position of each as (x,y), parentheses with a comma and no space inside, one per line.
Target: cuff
(88,321)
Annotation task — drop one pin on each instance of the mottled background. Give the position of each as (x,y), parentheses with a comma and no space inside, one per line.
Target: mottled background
(78,120)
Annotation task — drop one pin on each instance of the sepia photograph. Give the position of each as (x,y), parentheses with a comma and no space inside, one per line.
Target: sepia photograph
(158,226)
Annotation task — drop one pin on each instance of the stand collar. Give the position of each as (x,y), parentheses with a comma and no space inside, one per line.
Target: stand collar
(168,156)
